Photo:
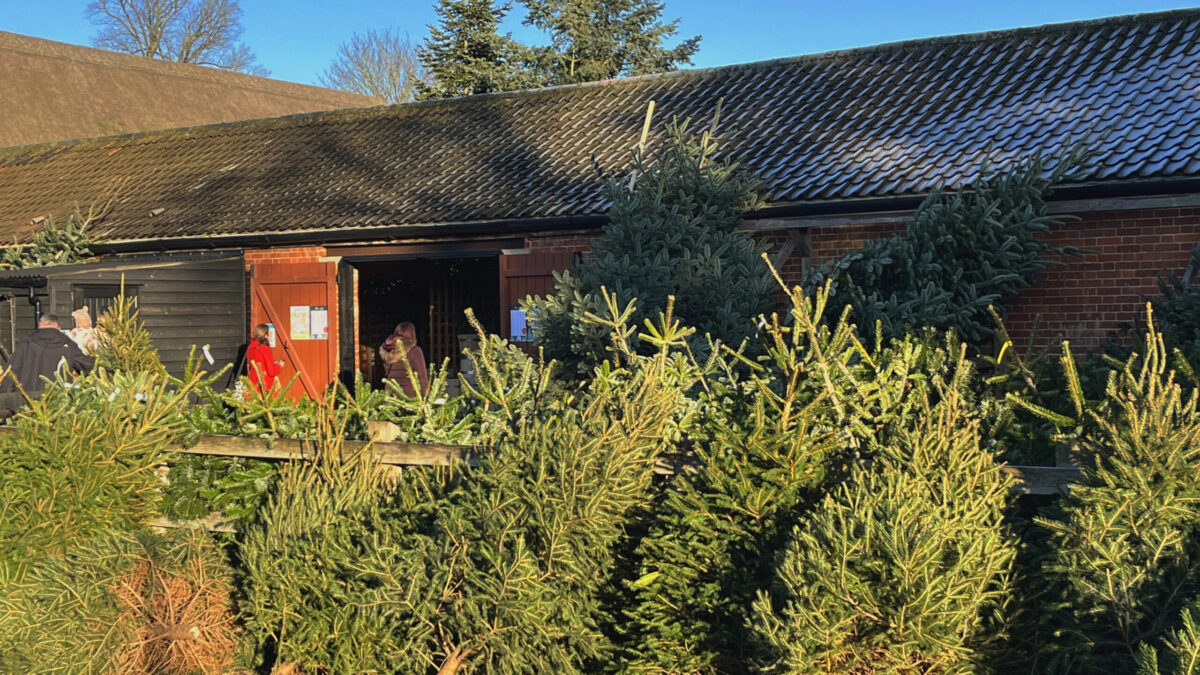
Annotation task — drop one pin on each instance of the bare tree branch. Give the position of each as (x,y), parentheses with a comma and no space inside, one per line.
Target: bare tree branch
(378,63)
(204,32)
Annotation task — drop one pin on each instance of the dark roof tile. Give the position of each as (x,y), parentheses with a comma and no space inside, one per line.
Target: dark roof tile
(887,121)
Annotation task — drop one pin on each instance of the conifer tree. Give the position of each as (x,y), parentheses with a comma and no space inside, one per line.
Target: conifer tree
(122,602)
(766,449)
(464,53)
(82,460)
(672,232)
(905,566)
(1126,541)
(493,570)
(603,39)
(1180,653)
(962,253)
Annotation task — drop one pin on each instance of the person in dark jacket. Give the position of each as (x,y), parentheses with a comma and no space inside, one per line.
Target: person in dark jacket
(403,359)
(43,353)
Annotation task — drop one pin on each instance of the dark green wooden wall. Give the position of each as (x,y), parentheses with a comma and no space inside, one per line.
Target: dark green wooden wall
(184,300)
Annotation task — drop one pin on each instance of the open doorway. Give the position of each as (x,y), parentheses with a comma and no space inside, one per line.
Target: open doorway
(432,293)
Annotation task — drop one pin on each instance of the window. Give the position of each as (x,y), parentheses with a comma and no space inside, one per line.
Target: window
(99,297)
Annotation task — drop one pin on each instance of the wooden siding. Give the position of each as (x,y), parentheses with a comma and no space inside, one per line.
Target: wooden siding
(186,301)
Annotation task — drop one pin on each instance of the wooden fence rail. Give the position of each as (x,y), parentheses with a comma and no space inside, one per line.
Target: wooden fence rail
(1032,480)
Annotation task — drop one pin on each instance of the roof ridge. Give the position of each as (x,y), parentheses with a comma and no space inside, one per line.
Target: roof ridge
(897,45)
(54,49)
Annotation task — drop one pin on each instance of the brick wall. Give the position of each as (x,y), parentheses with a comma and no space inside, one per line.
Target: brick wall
(1089,298)
(560,243)
(280,255)
(1086,300)
(824,244)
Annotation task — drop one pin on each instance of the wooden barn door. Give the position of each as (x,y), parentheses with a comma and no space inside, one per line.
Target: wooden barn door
(300,301)
(524,274)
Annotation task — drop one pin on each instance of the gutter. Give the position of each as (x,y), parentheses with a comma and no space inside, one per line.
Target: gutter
(522,226)
(353,234)
(911,202)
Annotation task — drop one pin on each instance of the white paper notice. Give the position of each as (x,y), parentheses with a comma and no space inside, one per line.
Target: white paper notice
(271,334)
(319,322)
(299,327)
(517,329)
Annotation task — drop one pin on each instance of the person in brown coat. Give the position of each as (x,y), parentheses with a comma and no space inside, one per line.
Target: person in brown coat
(403,359)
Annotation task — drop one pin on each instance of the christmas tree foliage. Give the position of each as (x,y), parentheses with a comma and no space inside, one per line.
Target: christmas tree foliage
(82,461)
(903,567)
(124,342)
(1126,543)
(672,232)
(962,252)
(492,569)
(122,602)
(767,449)
(61,243)
(763,449)
(1180,654)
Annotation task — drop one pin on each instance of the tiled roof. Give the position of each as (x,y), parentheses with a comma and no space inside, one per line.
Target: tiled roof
(55,91)
(887,121)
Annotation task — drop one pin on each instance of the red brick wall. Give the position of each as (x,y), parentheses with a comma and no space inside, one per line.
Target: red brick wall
(280,255)
(1086,300)
(830,243)
(561,243)
(1089,298)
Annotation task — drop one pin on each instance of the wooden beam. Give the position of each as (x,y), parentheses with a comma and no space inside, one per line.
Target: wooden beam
(1043,480)
(394,453)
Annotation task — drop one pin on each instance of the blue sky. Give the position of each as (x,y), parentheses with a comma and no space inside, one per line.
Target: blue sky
(296,39)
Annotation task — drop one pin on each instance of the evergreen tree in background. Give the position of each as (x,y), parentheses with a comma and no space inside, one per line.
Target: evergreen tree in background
(672,232)
(962,252)
(603,39)
(465,54)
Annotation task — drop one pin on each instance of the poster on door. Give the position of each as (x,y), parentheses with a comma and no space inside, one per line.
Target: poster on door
(318,322)
(309,322)
(299,323)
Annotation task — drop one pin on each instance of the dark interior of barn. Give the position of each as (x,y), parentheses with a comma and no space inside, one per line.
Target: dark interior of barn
(432,293)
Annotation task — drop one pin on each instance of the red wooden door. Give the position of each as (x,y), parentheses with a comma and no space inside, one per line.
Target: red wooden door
(292,297)
(524,274)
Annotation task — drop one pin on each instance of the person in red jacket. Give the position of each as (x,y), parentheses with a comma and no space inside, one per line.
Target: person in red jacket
(259,365)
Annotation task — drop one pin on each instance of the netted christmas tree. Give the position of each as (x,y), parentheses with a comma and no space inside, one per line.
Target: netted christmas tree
(82,460)
(905,567)
(963,252)
(122,602)
(672,231)
(62,243)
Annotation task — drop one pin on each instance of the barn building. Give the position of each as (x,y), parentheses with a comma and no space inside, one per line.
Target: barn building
(345,222)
